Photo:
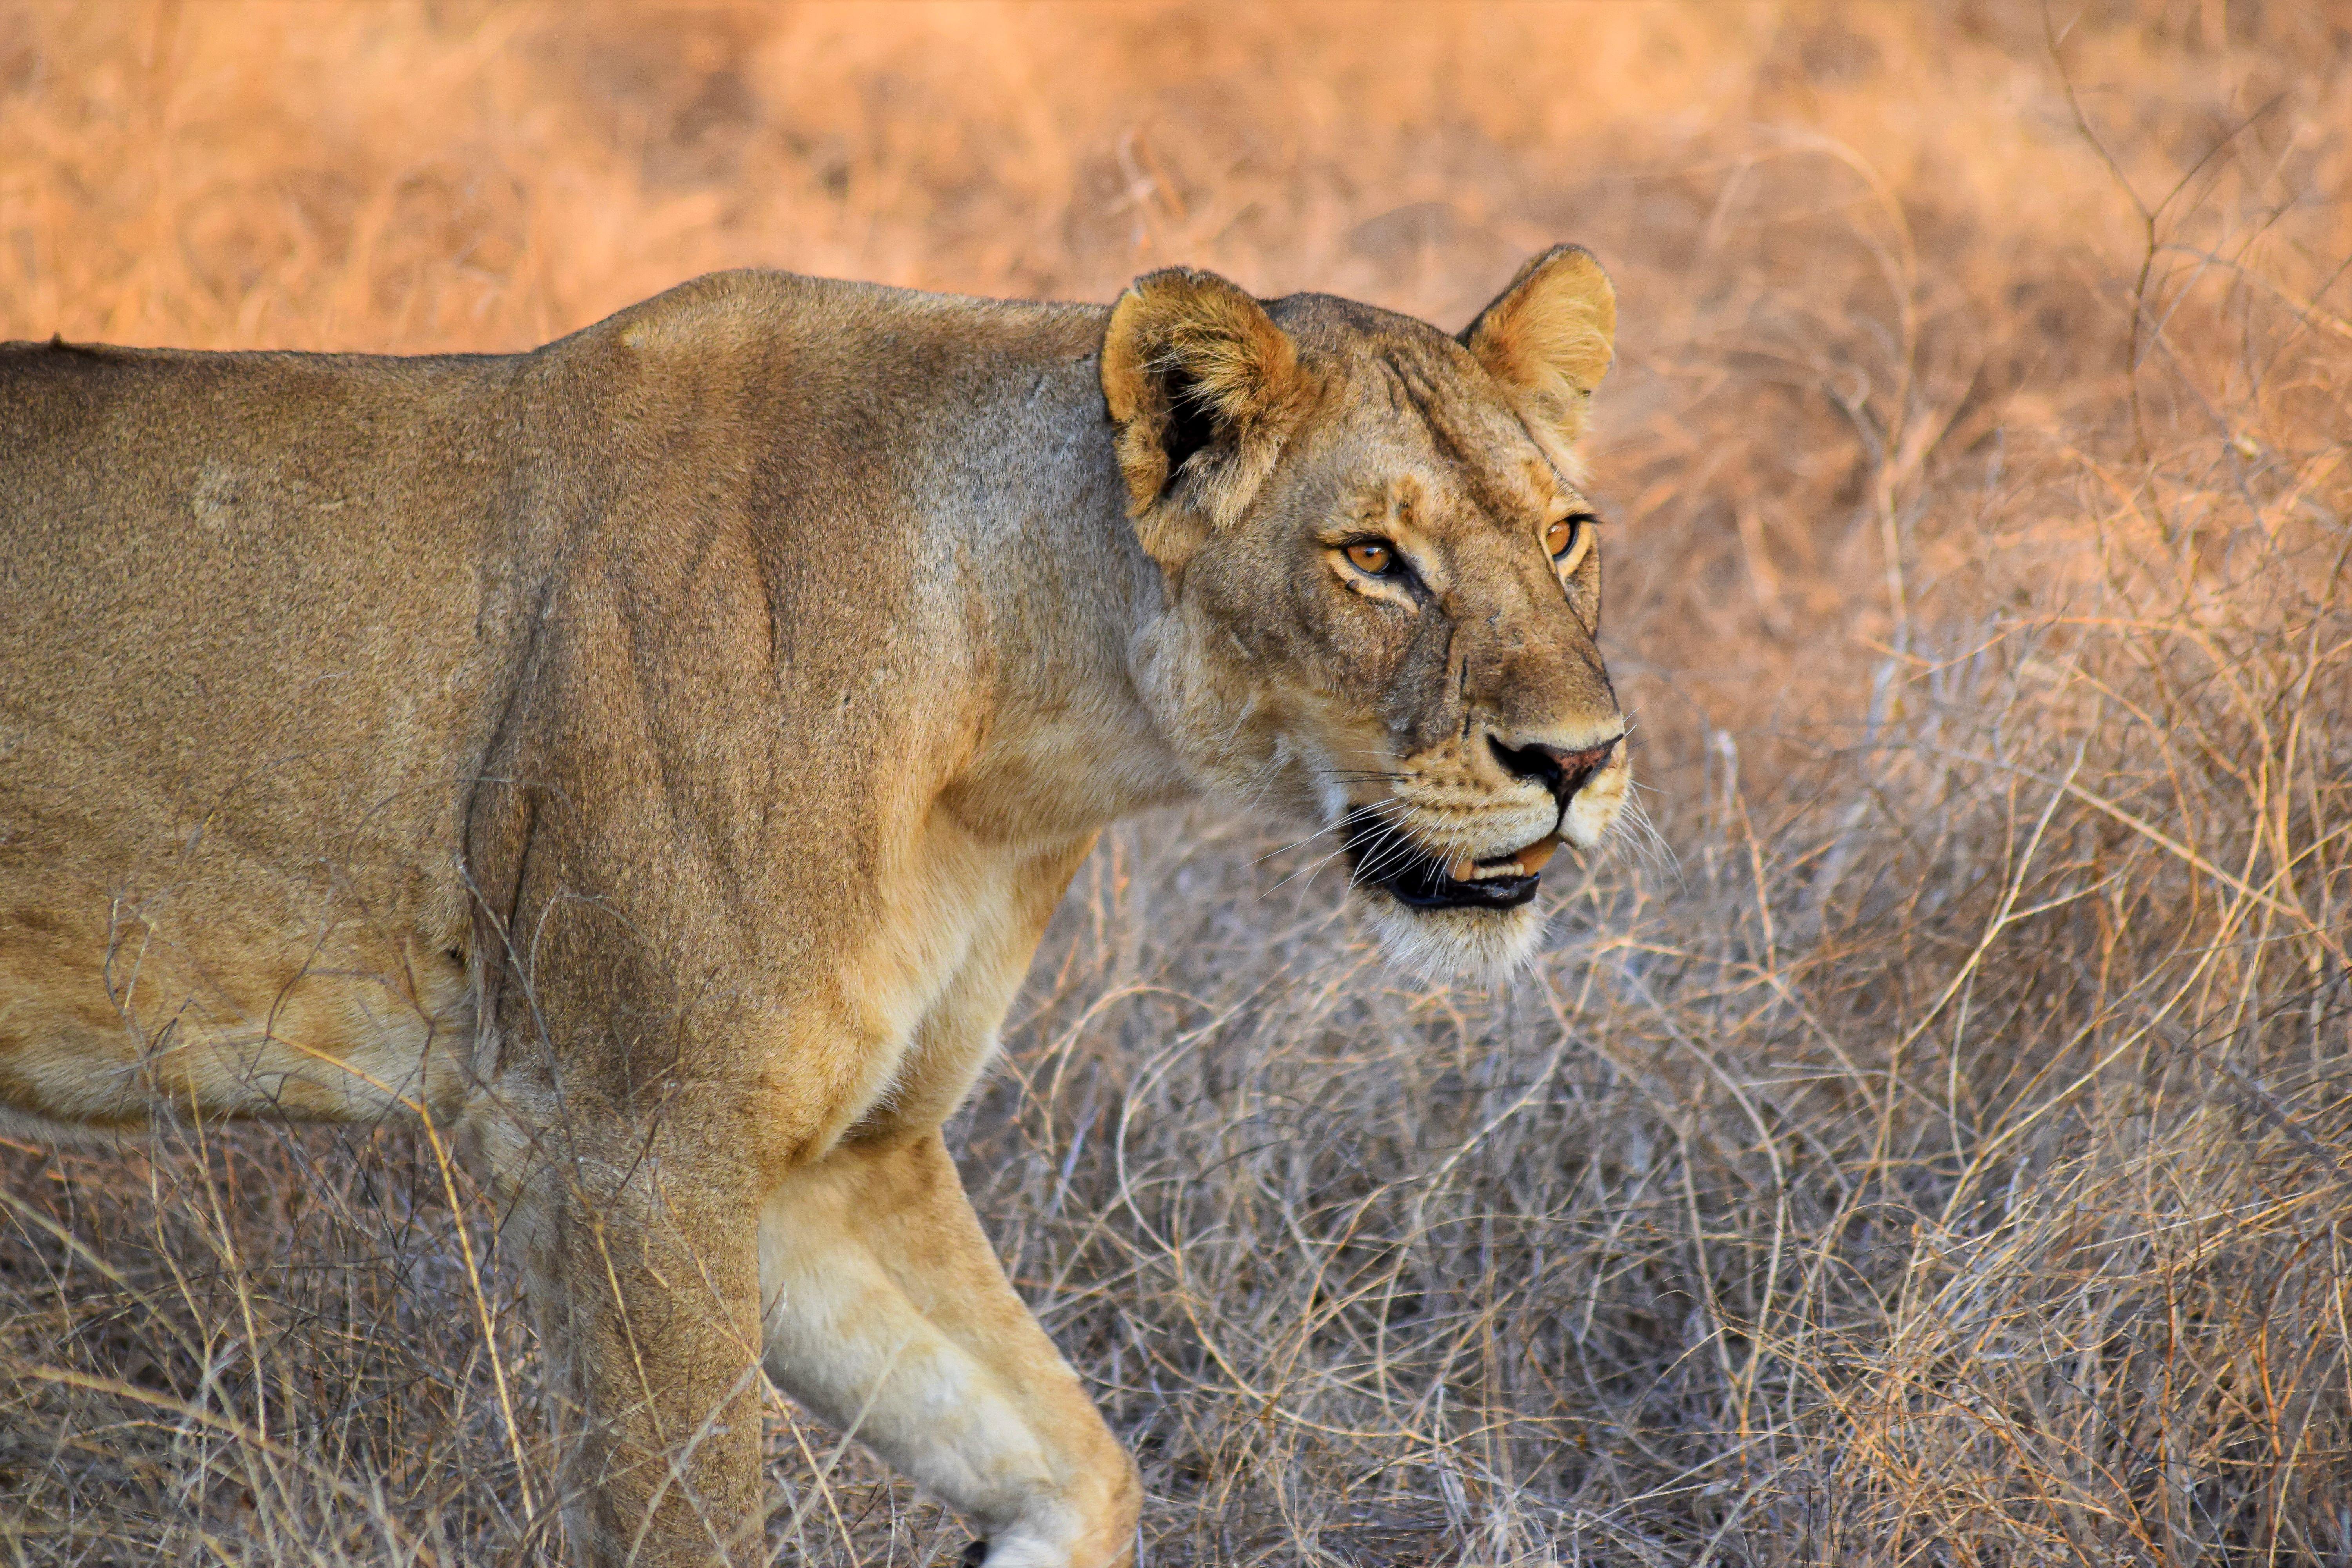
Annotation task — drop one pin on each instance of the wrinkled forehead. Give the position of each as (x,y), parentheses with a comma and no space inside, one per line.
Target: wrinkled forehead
(1444,449)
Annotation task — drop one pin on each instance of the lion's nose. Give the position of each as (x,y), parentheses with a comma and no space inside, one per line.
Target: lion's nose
(1557,769)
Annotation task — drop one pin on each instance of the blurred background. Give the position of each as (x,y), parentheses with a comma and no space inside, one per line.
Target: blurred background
(1930,1148)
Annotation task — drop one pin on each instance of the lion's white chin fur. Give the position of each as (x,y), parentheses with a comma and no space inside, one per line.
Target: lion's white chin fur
(1483,946)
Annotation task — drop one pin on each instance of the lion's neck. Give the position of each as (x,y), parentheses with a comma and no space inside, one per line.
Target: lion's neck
(1063,592)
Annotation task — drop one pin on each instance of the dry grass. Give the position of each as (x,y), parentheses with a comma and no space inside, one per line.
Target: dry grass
(1942,1161)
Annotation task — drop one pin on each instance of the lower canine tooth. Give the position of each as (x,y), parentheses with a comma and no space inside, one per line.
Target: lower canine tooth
(1533,857)
(1526,863)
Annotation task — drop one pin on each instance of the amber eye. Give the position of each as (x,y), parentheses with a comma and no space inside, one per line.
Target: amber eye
(1565,540)
(1371,559)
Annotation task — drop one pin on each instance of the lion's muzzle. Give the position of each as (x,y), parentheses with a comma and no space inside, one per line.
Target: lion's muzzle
(1385,852)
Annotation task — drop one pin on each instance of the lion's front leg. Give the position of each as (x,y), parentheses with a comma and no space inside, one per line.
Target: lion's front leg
(886,1313)
(643,1277)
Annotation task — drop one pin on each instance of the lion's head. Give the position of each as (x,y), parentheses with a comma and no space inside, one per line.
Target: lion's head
(1383,582)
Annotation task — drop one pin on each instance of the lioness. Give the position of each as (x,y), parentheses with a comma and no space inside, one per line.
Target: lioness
(657,756)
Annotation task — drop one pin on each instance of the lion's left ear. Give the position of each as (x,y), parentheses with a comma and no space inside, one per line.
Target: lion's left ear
(1548,338)
(1204,388)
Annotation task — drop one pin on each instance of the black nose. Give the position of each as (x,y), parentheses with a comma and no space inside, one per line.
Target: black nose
(1556,768)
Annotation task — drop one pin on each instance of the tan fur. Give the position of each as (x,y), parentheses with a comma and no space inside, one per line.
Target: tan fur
(1549,339)
(656,757)
(1242,373)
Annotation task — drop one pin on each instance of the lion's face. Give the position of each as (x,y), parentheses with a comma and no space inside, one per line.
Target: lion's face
(1384,583)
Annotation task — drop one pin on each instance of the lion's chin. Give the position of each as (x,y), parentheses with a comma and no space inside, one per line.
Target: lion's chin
(1483,945)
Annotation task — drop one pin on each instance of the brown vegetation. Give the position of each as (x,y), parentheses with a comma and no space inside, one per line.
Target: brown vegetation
(1937,1152)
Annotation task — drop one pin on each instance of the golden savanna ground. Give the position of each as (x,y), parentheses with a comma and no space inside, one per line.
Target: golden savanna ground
(1936,1149)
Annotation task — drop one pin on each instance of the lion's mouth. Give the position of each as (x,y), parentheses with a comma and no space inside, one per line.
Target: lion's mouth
(1380,856)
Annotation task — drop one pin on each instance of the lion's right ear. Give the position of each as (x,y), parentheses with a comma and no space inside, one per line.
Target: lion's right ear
(1204,388)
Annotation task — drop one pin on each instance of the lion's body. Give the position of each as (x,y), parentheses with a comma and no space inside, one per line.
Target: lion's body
(380,609)
(658,754)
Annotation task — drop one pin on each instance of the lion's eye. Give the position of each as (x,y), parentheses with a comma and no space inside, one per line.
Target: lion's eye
(1373,559)
(1567,538)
